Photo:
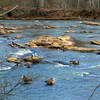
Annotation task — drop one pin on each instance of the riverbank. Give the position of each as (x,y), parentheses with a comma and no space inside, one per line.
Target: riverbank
(51,14)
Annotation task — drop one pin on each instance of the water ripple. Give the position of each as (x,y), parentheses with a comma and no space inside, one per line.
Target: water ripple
(5,68)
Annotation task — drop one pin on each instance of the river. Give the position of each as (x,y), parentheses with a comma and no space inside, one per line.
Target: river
(74,82)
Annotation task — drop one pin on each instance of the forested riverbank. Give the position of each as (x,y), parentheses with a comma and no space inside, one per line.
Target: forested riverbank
(51,9)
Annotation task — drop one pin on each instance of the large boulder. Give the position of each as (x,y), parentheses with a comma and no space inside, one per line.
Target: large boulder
(51,42)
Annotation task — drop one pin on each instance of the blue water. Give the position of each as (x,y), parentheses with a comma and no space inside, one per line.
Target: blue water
(72,82)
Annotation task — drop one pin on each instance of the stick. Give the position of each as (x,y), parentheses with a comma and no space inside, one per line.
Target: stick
(8,11)
(13,87)
(94,91)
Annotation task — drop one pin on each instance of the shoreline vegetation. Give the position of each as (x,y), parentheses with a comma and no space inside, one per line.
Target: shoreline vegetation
(24,13)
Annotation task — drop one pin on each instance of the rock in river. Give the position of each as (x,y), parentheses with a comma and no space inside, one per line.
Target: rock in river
(51,42)
(91,23)
(63,42)
(33,59)
(18,36)
(97,42)
(28,60)
(13,59)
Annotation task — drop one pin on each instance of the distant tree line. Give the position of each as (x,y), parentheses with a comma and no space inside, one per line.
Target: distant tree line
(52,3)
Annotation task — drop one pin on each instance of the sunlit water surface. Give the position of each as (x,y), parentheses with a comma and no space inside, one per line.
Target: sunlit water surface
(72,82)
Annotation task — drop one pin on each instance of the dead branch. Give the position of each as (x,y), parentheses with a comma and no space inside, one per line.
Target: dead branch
(3,14)
(94,91)
(17,84)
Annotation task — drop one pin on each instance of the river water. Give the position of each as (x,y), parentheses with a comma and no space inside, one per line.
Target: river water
(72,82)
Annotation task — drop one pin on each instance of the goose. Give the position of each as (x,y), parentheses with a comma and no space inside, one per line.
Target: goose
(50,81)
(26,79)
(74,62)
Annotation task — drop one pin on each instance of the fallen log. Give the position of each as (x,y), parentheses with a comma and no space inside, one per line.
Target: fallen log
(13,44)
(3,14)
